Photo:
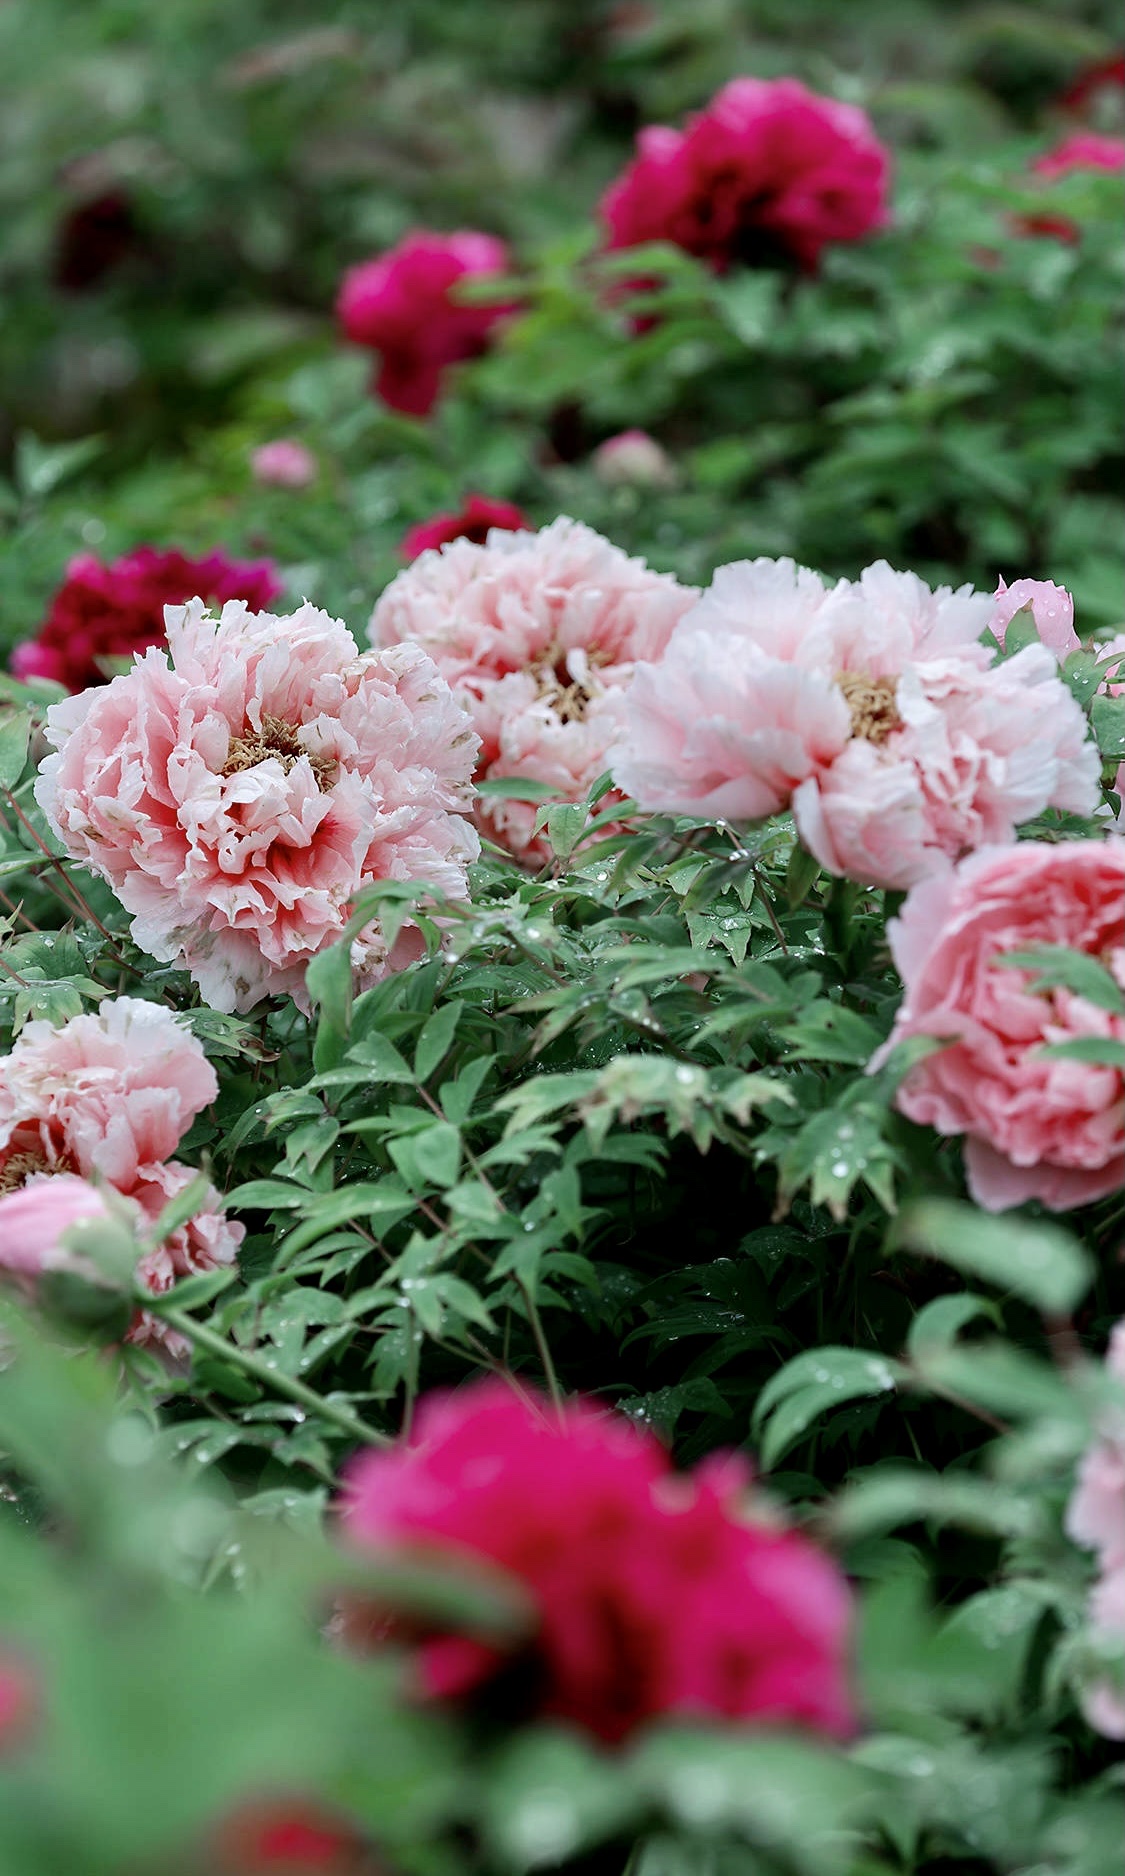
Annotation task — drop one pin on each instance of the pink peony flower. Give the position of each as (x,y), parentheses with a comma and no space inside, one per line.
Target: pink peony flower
(538,634)
(475,520)
(34,1222)
(1104,1701)
(1050,606)
(1037,1126)
(1083,150)
(110,1096)
(283,464)
(1095,1518)
(870,708)
(104,612)
(652,1593)
(633,460)
(402,307)
(766,168)
(238,792)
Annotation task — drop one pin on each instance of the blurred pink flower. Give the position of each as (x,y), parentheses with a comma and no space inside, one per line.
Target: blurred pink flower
(1050,606)
(1095,1518)
(34,1220)
(1104,1701)
(475,520)
(870,708)
(538,634)
(401,306)
(112,610)
(19,1700)
(1037,1126)
(633,459)
(652,1593)
(240,791)
(283,464)
(766,168)
(1084,149)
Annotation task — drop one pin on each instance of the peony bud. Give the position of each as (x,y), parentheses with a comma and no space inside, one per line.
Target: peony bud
(283,464)
(633,460)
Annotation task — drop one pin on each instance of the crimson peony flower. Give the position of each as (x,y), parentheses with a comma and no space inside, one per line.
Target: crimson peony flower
(93,238)
(766,169)
(654,1595)
(871,709)
(19,1700)
(1037,1126)
(104,612)
(240,790)
(538,634)
(287,1837)
(401,307)
(474,522)
(108,1095)
(1102,81)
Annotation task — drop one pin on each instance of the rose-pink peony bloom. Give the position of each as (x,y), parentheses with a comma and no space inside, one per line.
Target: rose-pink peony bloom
(871,708)
(652,1593)
(768,168)
(1051,608)
(403,307)
(283,464)
(1036,1126)
(36,1218)
(239,792)
(538,634)
(474,521)
(107,611)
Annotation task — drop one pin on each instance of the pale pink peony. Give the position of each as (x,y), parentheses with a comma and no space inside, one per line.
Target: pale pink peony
(240,791)
(283,464)
(633,459)
(1104,1701)
(1050,606)
(35,1221)
(1037,1126)
(871,708)
(106,1094)
(538,634)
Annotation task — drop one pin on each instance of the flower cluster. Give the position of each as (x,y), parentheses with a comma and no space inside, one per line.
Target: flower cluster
(1037,1126)
(871,709)
(538,634)
(403,306)
(239,791)
(652,1593)
(1096,1519)
(106,612)
(767,169)
(106,1097)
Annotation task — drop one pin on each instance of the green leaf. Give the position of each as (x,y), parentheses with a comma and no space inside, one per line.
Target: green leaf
(435,1039)
(328,980)
(1058,965)
(812,1384)
(15,729)
(1042,1263)
(940,1322)
(1107,720)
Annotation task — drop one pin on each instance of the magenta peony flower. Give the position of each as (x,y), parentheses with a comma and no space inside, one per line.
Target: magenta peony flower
(633,459)
(282,464)
(19,1700)
(401,307)
(474,522)
(104,612)
(652,1593)
(240,790)
(1037,1126)
(1050,606)
(870,708)
(538,634)
(110,1096)
(767,167)
(286,1836)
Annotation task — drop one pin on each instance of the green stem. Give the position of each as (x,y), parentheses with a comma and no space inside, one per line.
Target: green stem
(548,1366)
(202,1337)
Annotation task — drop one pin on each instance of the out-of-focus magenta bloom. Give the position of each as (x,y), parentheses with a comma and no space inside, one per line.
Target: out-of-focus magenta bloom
(652,1592)
(107,611)
(402,306)
(768,168)
(286,1837)
(473,522)
(1084,150)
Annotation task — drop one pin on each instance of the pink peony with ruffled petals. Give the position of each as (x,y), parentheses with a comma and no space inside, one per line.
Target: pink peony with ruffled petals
(652,1592)
(871,708)
(402,306)
(1036,1126)
(1050,606)
(238,793)
(538,634)
(767,168)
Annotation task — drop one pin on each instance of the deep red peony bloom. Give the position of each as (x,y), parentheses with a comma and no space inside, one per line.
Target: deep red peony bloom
(653,1594)
(104,611)
(400,306)
(478,514)
(19,1701)
(1093,85)
(767,169)
(93,238)
(286,1837)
